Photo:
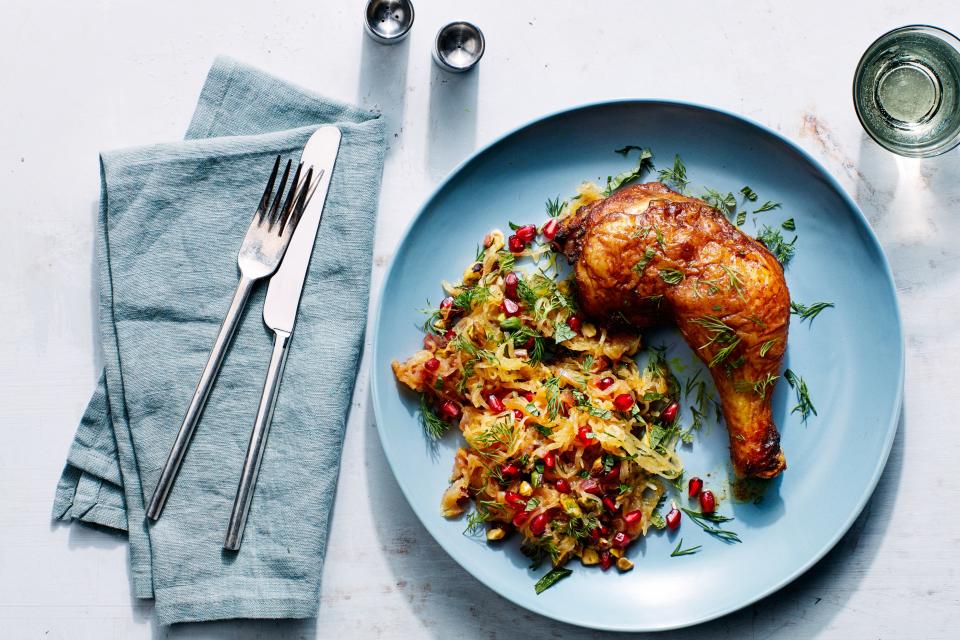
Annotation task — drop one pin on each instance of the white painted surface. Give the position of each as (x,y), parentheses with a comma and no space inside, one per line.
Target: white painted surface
(78,77)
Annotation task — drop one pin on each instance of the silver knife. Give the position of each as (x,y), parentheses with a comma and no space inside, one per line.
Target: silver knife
(280,314)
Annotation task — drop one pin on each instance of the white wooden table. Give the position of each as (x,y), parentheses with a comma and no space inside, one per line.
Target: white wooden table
(78,77)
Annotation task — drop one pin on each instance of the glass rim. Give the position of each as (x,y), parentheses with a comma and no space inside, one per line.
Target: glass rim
(942,34)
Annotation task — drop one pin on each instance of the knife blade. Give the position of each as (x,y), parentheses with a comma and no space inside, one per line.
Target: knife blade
(280,314)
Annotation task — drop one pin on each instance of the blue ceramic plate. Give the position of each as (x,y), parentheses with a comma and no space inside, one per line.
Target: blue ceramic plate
(851,357)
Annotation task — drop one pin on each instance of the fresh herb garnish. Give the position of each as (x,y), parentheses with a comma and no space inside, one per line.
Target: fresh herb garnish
(721,334)
(741,218)
(767,206)
(645,164)
(676,175)
(726,203)
(804,404)
(749,194)
(562,331)
(781,249)
(789,225)
(554,576)
(671,276)
(702,519)
(645,260)
(809,312)
(506,260)
(766,346)
(554,207)
(677,552)
(433,426)
(733,276)
(627,149)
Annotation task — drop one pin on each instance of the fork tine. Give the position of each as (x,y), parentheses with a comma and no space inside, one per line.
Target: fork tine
(306,190)
(279,197)
(291,198)
(265,200)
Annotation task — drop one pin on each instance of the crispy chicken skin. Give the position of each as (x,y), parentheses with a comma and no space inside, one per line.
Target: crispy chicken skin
(630,251)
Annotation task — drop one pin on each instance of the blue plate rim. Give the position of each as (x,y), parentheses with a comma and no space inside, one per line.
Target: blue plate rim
(892,426)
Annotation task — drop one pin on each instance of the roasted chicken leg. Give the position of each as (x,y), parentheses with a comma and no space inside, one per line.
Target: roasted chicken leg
(647,256)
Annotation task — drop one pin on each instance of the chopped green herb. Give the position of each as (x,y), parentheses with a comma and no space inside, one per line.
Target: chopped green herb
(562,331)
(733,276)
(701,519)
(726,203)
(767,206)
(433,426)
(749,194)
(676,176)
(677,552)
(741,218)
(554,576)
(766,346)
(627,149)
(721,334)
(645,164)
(554,207)
(506,260)
(671,276)
(789,225)
(781,249)
(804,404)
(809,312)
(645,260)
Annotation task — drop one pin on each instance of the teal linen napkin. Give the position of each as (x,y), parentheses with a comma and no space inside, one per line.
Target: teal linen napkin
(172,217)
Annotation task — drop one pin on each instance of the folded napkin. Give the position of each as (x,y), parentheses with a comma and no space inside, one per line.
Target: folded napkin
(172,218)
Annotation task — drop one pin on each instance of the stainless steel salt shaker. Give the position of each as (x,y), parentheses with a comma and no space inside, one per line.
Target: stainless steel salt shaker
(458,47)
(388,21)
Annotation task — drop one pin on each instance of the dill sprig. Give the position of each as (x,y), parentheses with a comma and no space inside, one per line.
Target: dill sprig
(555,206)
(677,552)
(809,312)
(781,249)
(804,403)
(725,202)
(554,576)
(767,206)
(676,175)
(506,260)
(734,278)
(433,426)
(722,335)
(702,520)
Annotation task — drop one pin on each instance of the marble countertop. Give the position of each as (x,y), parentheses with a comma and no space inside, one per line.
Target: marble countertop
(81,77)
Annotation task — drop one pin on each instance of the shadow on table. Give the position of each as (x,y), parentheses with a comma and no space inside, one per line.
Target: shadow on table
(230,630)
(383,84)
(452,122)
(445,597)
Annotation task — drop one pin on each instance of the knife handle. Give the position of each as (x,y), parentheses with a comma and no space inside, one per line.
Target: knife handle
(195,408)
(258,442)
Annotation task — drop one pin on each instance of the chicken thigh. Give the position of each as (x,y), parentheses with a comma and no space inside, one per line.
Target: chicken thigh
(648,256)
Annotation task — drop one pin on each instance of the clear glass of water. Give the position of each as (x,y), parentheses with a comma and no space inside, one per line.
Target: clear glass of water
(906,91)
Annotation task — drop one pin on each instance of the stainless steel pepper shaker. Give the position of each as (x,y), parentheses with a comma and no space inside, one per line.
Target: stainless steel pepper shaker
(388,21)
(458,47)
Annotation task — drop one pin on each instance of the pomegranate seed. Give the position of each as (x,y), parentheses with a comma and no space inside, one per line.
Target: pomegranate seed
(539,524)
(450,409)
(494,403)
(510,285)
(603,529)
(595,535)
(550,460)
(520,518)
(591,486)
(633,518)
(527,233)
(620,539)
(562,485)
(613,475)
(606,560)
(673,519)
(529,343)
(528,396)
(517,415)
(432,364)
(609,503)
(694,486)
(510,471)
(583,436)
(514,499)
(450,334)
(605,383)
(446,303)
(623,402)
(670,413)
(707,502)
(509,308)
(575,323)
(515,244)
(550,228)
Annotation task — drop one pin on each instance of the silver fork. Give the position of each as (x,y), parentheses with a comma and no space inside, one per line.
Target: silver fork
(260,255)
